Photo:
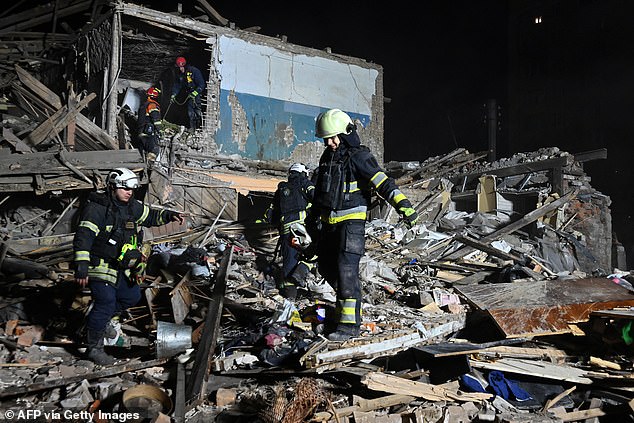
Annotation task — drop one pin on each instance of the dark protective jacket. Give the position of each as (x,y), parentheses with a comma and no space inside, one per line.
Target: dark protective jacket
(106,225)
(291,201)
(345,181)
(190,80)
(149,117)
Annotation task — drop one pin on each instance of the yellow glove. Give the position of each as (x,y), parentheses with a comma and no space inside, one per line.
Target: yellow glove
(409,216)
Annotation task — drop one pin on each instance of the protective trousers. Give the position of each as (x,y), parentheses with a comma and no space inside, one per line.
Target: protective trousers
(340,250)
(194,111)
(150,143)
(109,300)
(294,271)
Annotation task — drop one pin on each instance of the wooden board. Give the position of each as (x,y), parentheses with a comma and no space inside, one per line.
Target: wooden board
(446,349)
(537,368)
(48,162)
(545,307)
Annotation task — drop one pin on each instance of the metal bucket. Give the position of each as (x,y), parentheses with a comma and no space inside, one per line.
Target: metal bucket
(172,339)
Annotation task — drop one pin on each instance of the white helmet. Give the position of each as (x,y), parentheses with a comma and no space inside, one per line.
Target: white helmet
(300,238)
(122,178)
(298,167)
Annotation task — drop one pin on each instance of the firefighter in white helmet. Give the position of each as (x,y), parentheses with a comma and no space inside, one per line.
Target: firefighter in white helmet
(107,253)
(288,211)
(346,175)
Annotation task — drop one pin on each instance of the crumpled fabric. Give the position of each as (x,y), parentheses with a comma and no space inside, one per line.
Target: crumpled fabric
(506,387)
(472,383)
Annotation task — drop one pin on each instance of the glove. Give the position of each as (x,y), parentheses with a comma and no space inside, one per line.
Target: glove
(139,272)
(81,270)
(130,258)
(409,215)
(173,98)
(172,216)
(178,217)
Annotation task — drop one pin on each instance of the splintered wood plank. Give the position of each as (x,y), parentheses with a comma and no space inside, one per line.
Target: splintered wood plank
(537,368)
(545,307)
(49,163)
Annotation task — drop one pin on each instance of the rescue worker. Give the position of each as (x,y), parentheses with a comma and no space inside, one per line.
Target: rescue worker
(189,79)
(150,123)
(347,175)
(291,200)
(107,256)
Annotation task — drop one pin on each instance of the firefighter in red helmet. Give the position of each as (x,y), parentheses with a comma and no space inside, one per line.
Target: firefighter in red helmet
(189,79)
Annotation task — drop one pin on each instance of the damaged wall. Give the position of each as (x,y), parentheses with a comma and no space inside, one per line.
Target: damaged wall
(271,93)
(263,93)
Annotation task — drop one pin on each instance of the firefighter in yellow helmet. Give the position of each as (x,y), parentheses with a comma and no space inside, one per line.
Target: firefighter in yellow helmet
(346,175)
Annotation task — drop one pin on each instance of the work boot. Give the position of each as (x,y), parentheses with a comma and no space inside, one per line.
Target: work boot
(344,332)
(96,353)
(111,331)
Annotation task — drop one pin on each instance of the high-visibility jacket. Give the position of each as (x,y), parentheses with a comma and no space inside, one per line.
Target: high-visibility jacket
(106,225)
(149,117)
(345,180)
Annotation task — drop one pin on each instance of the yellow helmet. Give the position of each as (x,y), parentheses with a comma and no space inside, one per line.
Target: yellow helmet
(333,122)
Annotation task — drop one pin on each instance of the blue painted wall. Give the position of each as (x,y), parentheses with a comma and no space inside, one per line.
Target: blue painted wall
(269,120)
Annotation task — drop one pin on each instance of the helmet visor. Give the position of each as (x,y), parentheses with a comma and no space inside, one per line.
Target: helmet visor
(132,183)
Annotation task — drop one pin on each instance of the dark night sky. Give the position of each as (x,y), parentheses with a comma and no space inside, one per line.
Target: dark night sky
(440,67)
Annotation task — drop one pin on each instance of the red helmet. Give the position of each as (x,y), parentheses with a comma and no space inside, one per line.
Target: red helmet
(153,92)
(180,61)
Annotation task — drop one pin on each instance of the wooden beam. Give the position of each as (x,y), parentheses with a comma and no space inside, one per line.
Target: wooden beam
(30,23)
(31,13)
(364,405)
(397,385)
(518,169)
(113,75)
(65,381)
(518,224)
(53,102)
(141,12)
(48,162)
(213,14)
(56,123)
(195,392)
(586,156)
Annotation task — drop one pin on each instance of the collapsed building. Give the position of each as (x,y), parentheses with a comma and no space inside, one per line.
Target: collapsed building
(511,269)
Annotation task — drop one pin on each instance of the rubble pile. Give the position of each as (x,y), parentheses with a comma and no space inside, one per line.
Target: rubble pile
(475,316)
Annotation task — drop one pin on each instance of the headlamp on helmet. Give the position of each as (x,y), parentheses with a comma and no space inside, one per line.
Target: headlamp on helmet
(180,61)
(122,178)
